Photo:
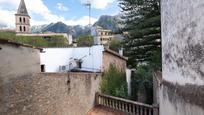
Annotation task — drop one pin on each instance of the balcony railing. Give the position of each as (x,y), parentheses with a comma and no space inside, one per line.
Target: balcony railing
(127,106)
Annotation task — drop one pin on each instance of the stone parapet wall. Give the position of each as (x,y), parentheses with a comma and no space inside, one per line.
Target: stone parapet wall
(49,94)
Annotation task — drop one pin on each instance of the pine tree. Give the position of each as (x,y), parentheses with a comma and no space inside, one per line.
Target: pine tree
(142,22)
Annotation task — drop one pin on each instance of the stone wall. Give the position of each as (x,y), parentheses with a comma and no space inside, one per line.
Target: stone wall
(183,57)
(18,60)
(109,59)
(49,94)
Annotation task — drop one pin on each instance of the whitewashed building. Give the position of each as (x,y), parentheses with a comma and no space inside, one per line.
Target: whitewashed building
(101,36)
(90,59)
(64,59)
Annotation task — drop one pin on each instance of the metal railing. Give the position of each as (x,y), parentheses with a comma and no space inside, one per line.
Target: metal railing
(127,106)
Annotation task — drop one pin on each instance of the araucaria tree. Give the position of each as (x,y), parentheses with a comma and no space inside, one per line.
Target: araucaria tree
(142,44)
(142,25)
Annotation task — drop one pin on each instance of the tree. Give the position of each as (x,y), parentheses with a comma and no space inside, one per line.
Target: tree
(114,83)
(143,42)
(142,22)
(115,45)
(142,80)
(85,40)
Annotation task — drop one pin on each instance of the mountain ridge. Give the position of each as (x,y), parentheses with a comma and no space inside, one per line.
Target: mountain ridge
(105,21)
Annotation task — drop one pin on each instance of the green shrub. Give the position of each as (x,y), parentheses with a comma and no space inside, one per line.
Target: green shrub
(115,45)
(85,40)
(142,78)
(52,41)
(114,83)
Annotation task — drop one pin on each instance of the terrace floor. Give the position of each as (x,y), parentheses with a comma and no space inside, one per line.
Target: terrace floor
(101,110)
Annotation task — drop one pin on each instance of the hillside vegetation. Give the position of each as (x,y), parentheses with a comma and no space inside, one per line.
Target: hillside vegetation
(53,41)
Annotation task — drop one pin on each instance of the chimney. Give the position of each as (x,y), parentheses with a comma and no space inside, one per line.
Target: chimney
(121,51)
(74,43)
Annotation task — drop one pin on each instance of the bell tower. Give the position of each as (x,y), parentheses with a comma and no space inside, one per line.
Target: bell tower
(22,19)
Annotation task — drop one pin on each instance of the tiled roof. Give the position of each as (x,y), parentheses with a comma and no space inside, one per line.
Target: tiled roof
(115,53)
(4,41)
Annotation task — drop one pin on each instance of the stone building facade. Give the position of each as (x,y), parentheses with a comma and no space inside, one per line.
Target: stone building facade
(22,19)
(26,91)
(111,57)
(182,89)
(102,36)
(18,59)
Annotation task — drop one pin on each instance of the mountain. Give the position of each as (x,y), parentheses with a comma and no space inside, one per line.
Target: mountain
(105,21)
(3,26)
(58,27)
(109,22)
(38,29)
(78,30)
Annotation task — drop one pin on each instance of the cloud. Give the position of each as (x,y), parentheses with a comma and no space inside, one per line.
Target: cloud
(61,7)
(7,18)
(36,9)
(81,21)
(10,2)
(98,4)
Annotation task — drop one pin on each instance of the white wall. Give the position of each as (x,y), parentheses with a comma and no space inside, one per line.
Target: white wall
(97,40)
(128,80)
(52,58)
(70,39)
(94,31)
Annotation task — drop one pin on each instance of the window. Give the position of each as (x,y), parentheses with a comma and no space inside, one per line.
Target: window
(63,67)
(24,28)
(20,28)
(24,20)
(42,68)
(20,19)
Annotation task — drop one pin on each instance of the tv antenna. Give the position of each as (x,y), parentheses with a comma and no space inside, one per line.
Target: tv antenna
(88,4)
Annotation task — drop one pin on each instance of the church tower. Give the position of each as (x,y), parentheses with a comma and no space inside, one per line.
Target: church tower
(22,19)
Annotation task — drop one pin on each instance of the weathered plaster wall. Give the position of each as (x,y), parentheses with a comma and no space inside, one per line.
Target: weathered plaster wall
(181,100)
(18,60)
(183,57)
(49,94)
(109,59)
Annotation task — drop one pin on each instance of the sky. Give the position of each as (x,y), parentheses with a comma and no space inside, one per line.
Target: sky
(71,12)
